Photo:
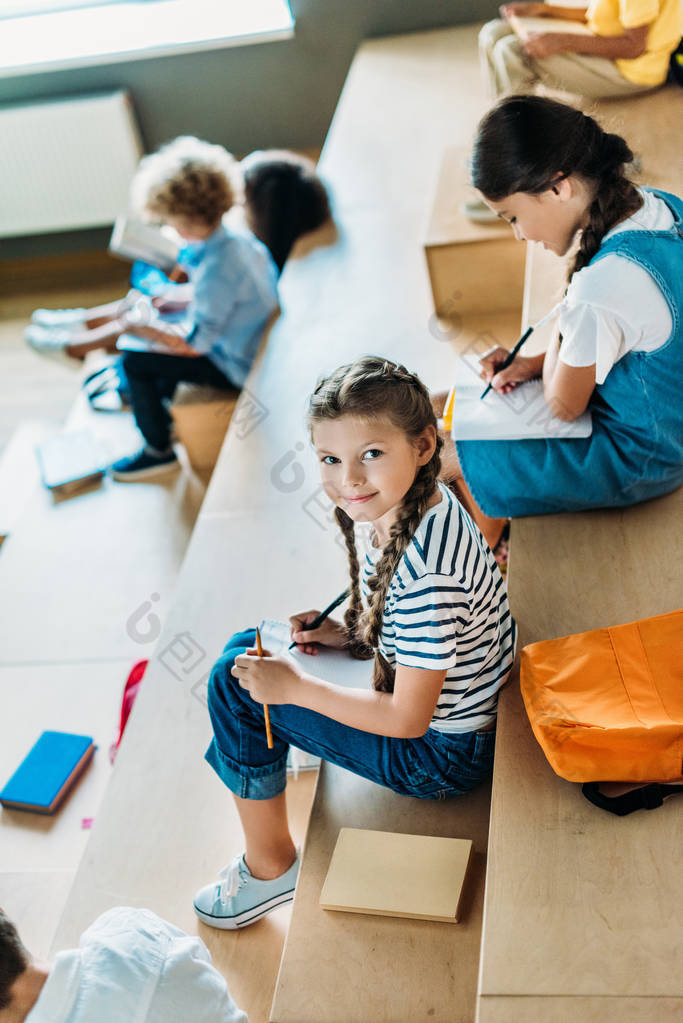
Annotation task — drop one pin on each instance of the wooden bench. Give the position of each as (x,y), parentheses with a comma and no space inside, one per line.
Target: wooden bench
(264,544)
(201,416)
(583,910)
(76,575)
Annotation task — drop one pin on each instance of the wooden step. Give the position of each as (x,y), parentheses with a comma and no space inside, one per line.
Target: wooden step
(80,568)
(598,898)
(19,473)
(353,967)
(167,823)
(461,254)
(603,934)
(39,855)
(201,416)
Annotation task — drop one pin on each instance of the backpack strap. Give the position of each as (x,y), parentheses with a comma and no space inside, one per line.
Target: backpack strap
(648,797)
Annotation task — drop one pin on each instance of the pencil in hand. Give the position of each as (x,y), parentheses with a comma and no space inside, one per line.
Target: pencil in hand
(266,711)
(506,362)
(317,622)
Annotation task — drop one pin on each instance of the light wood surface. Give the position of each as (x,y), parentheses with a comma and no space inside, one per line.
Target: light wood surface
(460,253)
(380,967)
(34,901)
(650,123)
(167,823)
(599,897)
(79,568)
(32,387)
(448,223)
(201,416)
(360,288)
(579,1010)
(19,475)
(80,698)
(39,855)
(394,92)
(364,289)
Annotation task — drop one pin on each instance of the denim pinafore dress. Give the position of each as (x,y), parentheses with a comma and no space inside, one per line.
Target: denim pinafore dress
(635,451)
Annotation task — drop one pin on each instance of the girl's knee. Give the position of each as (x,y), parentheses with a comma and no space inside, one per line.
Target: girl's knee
(244,639)
(508,49)
(221,688)
(493,31)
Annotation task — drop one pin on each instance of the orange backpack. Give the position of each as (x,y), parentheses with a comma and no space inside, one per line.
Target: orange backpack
(607,705)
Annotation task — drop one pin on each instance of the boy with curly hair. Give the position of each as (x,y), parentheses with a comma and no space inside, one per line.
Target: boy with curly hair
(189,185)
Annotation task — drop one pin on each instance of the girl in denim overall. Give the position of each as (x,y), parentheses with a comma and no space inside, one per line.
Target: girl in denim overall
(559,179)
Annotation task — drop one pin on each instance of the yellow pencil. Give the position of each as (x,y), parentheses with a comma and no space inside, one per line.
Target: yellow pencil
(266,712)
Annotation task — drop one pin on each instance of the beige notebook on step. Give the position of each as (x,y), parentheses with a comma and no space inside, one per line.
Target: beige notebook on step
(387,874)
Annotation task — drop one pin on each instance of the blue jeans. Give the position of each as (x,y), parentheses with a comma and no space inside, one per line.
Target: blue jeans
(434,766)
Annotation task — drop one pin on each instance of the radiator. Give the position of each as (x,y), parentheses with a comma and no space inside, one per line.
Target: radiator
(66,163)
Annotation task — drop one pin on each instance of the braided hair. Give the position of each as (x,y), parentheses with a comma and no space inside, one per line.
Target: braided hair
(372,388)
(525,143)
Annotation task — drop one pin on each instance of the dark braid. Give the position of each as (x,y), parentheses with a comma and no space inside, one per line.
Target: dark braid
(526,143)
(615,199)
(370,388)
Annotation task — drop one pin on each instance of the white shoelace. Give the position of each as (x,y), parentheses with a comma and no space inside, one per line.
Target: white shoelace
(230,881)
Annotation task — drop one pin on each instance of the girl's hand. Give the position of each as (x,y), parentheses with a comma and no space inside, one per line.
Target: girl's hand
(174,299)
(521,369)
(545,44)
(268,679)
(330,633)
(524,10)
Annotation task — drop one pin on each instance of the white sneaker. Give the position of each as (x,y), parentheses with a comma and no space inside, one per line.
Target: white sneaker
(59,317)
(52,343)
(237,899)
(479,212)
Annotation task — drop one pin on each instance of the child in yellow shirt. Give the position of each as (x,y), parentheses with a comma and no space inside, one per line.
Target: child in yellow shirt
(627,53)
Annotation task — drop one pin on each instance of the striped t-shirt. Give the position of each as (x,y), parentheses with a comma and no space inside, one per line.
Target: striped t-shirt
(447,607)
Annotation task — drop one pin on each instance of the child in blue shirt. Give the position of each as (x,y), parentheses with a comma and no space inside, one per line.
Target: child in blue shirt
(188,185)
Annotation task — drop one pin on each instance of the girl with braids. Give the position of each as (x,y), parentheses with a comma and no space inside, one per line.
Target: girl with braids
(427,600)
(557,178)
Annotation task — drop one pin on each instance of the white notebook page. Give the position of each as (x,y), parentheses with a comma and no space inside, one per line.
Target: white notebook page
(521,414)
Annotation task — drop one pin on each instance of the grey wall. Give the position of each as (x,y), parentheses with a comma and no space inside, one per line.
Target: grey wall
(276,94)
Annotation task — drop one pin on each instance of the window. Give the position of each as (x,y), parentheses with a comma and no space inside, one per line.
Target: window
(19,9)
(53,35)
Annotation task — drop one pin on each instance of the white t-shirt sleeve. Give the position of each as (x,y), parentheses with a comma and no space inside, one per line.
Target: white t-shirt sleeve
(590,336)
(159,966)
(611,308)
(191,989)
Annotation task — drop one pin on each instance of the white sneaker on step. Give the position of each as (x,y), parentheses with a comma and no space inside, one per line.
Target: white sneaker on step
(52,343)
(56,318)
(479,212)
(237,899)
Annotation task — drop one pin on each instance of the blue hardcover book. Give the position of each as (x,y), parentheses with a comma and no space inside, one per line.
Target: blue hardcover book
(47,773)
